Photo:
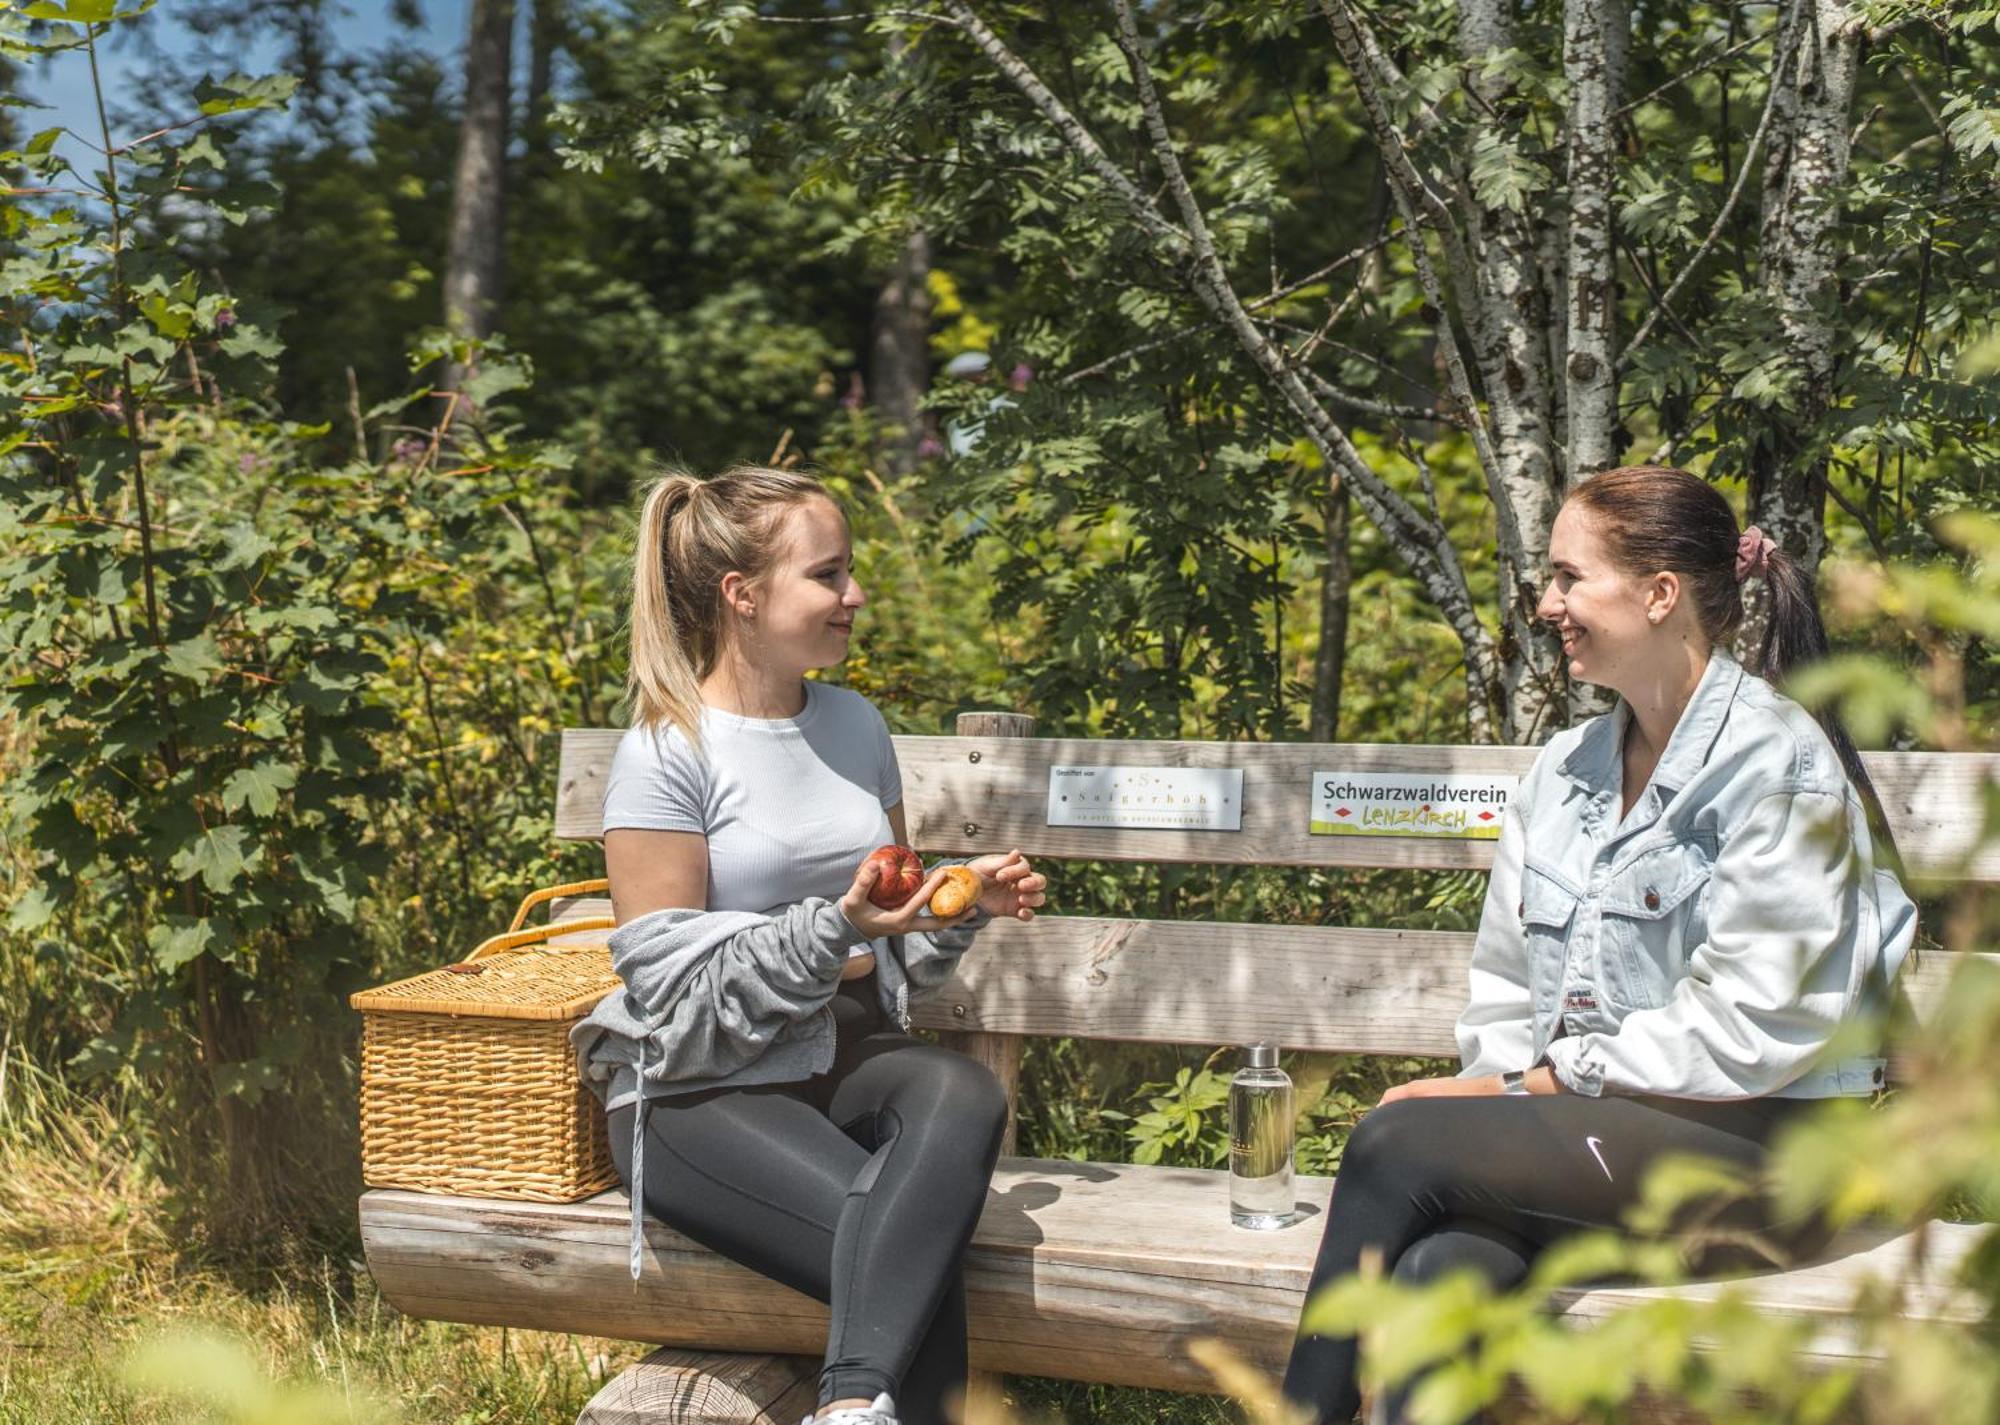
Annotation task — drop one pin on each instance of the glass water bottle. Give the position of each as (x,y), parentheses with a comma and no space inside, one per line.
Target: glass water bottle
(1260,1141)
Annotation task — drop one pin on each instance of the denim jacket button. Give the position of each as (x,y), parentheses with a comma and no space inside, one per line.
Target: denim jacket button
(1652,900)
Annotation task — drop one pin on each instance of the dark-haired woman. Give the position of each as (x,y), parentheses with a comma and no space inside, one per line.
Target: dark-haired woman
(765,1096)
(1684,907)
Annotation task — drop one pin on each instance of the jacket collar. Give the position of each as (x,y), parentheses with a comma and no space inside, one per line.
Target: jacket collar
(1594,762)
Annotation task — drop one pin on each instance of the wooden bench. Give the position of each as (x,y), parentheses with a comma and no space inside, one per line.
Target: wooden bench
(1096,1271)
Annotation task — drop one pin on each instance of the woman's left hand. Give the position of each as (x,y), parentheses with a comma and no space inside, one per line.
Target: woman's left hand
(1013,887)
(1442,1088)
(1540,1080)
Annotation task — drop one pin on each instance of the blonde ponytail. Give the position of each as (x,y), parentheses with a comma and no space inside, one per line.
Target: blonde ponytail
(662,682)
(691,533)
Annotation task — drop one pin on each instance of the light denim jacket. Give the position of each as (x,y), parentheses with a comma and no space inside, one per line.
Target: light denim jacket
(1709,944)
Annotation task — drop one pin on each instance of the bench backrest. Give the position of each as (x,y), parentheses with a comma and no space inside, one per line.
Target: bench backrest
(1304,987)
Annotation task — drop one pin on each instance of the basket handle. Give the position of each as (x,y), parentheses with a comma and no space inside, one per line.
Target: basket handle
(549,893)
(534,934)
(514,937)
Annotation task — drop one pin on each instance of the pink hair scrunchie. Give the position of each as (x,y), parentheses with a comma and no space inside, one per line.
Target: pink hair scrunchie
(1753,553)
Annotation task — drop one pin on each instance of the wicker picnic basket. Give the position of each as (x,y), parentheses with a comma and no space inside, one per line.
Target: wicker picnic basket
(468,1081)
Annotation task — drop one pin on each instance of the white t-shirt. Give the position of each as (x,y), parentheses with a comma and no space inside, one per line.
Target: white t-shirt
(790,806)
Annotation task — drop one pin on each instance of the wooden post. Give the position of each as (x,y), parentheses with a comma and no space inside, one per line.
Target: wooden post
(999,1052)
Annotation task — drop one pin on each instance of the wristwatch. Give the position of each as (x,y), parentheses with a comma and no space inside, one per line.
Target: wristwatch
(1515,1081)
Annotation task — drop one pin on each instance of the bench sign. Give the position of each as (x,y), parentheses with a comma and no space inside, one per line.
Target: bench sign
(1160,798)
(1472,806)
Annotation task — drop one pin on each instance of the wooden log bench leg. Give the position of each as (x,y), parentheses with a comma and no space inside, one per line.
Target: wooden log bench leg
(672,1387)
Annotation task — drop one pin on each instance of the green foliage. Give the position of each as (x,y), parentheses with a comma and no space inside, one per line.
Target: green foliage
(209,625)
(1158,522)
(1950,611)
(698,280)
(1972,123)
(927,655)
(1147,488)
(1187,1118)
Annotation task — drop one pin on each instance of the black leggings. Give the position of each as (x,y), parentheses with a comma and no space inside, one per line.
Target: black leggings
(859,1187)
(1440,1184)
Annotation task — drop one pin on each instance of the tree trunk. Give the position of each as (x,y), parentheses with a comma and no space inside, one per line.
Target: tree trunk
(1594,44)
(899,354)
(309,57)
(545,36)
(1804,172)
(479,185)
(1596,37)
(1330,661)
(1509,316)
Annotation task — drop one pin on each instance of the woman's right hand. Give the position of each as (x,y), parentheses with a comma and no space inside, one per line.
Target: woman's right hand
(875,923)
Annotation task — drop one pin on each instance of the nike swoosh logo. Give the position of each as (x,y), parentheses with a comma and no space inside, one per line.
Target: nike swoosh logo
(1596,1146)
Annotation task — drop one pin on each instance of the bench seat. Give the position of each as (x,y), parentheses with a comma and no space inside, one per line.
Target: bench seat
(1083,1271)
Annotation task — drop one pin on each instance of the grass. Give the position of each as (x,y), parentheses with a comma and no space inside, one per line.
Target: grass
(106,1317)
(109,1317)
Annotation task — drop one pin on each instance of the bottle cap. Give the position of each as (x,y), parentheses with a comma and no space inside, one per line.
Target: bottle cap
(1263,1056)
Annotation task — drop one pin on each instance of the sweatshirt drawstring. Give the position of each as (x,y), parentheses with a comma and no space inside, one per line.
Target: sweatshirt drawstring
(638,1187)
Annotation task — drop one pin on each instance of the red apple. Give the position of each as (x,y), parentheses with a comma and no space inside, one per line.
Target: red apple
(898,875)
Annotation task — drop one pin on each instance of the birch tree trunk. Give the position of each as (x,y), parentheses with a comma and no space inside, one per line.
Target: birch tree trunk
(1511,314)
(1805,168)
(1596,36)
(1594,44)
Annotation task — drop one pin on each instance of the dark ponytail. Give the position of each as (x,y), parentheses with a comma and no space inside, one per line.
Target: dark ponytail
(1656,518)
(1795,637)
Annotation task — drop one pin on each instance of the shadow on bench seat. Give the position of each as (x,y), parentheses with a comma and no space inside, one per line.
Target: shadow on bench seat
(1084,1271)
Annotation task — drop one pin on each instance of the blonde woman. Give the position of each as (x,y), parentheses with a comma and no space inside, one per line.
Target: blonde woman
(765,1096)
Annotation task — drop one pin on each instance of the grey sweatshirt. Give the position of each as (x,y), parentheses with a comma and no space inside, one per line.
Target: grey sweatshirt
(720,999)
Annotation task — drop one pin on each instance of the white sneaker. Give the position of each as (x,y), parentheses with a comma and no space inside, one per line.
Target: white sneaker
(881,1412)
